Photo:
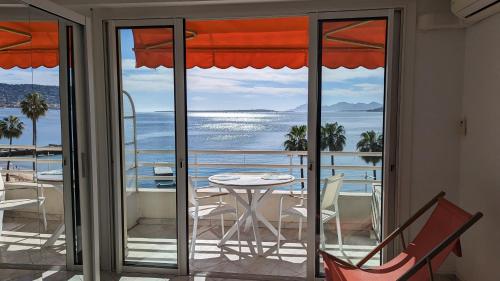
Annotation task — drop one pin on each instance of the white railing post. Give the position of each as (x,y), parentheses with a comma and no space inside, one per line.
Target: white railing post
(366,184)
(290,169)
(195,170)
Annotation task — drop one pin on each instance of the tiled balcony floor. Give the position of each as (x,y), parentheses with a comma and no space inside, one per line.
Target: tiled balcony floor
(149,243)
(21,242)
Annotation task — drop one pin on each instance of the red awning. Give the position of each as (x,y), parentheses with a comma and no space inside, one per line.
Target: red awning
(29,44)
(259,43)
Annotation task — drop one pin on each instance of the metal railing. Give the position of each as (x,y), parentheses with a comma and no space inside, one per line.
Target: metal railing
(196,162)
(290,164)
(27,158)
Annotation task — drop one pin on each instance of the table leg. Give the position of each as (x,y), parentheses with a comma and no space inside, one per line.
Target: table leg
(269,226)
(241,219)
(251,216)
(248,221)
(254,200)
(261,218)
(53,238)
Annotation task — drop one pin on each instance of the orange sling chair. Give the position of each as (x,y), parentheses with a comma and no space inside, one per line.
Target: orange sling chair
(438,238)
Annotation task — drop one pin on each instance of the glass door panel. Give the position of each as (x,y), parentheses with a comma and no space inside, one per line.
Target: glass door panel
(352,77)
(20,225)
(148,145)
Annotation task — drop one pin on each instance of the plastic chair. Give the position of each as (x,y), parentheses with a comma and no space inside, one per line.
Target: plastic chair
(329,209)
(377,210)
(201,210)
(436,240)
(12,204)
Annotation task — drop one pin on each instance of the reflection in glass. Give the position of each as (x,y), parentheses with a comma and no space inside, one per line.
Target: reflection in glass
(352,75)
(31,188)
(72,148)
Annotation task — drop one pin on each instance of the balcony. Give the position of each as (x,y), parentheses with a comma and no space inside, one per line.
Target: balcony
(150,214)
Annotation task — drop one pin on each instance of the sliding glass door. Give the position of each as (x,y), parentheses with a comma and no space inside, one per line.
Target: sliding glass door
(350,117)
(150,136)
(350,141)
(39,214)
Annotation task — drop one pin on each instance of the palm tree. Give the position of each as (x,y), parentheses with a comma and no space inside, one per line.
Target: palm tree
(333,138)
(34,106)
(296,140)
(371,142)
(11,128)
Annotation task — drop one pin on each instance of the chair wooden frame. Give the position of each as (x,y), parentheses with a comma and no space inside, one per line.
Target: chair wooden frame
(425,260)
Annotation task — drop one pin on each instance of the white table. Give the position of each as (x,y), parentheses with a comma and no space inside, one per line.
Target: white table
(257,189)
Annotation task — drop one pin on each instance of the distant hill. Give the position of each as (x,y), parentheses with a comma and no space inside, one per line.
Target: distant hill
(224,110)
(345,106)
(12,94)
(380,109)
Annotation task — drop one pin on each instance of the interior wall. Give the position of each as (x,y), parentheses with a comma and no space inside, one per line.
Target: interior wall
(480,160)
(437,109)
(436,113)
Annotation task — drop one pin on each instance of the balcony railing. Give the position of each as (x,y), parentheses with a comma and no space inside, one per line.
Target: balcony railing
(23,154)
(284,161)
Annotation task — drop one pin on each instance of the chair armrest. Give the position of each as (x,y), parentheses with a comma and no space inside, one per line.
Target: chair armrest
(399,230)
(212,195)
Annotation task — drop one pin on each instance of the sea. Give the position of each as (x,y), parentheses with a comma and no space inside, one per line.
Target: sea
(229,130)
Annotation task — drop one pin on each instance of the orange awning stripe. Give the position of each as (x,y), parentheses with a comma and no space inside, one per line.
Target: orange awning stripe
(29,44)
(260,43)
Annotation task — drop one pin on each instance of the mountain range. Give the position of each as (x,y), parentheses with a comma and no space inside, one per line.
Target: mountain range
(345,106)
(11,95)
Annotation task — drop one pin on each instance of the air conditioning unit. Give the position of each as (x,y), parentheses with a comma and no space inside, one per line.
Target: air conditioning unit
(474,10)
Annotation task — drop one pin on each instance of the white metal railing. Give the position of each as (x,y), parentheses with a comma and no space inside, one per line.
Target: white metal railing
(196,164)
(28,158)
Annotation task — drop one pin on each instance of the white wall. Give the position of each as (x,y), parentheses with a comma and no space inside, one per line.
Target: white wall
(436,112)
(480,158)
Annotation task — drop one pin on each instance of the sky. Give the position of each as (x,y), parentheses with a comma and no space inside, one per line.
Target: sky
(225,89)
(249,88)
(40,76)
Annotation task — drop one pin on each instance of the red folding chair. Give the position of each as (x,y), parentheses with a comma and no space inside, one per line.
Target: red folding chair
(437,239)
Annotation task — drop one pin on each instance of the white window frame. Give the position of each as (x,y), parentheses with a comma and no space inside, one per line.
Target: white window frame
(86,128)
(391,102)
(180,137)
(98,88)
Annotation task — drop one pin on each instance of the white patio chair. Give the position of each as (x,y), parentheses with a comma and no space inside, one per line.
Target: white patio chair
(329,209)
(376,210)
(200,210)
(20,203)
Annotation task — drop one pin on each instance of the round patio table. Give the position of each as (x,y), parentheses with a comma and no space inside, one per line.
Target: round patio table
(257,186)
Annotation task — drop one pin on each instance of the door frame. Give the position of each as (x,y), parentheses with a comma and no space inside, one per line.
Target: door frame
(68,179)
(392,148)
(65,18)
(390,126)
(114,73)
